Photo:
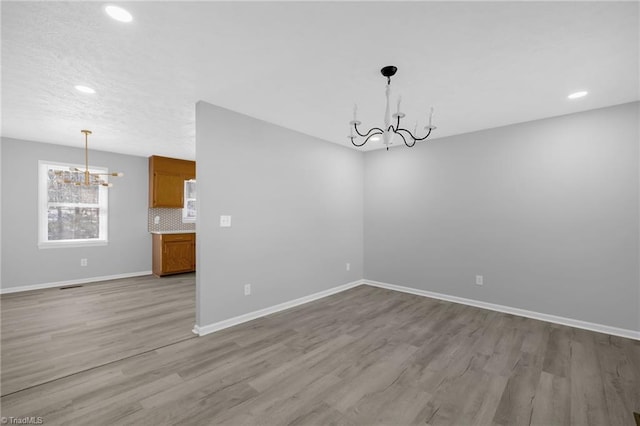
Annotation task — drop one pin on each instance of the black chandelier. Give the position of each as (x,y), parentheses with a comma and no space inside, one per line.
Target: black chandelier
(389,130)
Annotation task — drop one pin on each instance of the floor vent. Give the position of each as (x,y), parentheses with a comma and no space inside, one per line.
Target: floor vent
(71,286)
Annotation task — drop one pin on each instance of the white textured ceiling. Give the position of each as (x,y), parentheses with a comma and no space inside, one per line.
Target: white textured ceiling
(303,65)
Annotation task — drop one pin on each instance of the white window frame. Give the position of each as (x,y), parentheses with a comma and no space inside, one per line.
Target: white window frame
(185,216)
(43,208)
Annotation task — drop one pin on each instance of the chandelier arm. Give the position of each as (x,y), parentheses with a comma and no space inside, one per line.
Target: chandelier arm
(407,131)
(355,144)
(365,135)
(426,136)
(403,138)
(367,138)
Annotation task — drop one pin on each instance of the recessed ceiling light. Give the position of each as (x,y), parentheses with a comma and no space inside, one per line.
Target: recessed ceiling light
(85,89)
(118,13)
(578,95)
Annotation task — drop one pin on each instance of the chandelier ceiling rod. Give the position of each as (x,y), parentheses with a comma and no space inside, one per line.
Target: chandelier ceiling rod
(389,130)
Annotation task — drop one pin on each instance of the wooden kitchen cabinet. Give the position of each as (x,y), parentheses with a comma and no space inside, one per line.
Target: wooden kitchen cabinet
(166,180)
(173,253)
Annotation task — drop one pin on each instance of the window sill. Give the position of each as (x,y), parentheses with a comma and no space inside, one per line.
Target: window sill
(69,244)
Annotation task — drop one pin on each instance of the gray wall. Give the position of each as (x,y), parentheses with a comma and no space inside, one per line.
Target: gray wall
(546,211)
(296,207)
(129,248)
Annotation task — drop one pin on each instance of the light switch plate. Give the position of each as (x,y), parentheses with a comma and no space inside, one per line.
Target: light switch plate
(225,221)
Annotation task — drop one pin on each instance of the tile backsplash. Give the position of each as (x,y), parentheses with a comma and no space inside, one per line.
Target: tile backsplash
(170,220)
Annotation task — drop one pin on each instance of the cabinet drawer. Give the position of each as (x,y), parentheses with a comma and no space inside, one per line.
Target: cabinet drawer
(178,237)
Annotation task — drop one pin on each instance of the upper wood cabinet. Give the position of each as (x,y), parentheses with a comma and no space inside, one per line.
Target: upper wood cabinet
(166,180)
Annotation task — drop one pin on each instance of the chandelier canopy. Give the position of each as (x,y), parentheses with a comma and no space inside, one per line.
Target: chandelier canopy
(389,131)
(84,177)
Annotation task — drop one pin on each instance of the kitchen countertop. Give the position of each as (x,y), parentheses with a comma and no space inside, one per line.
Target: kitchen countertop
(174,232)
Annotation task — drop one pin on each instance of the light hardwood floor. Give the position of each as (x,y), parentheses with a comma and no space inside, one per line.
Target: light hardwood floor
(365,356)
(52,333)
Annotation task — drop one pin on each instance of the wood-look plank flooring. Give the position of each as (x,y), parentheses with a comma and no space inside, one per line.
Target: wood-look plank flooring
(365,356)
(52,333)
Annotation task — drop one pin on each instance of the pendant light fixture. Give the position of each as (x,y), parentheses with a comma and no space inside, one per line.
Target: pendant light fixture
(389,131)
(85,177)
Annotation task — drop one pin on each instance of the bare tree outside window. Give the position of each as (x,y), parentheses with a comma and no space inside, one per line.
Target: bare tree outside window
(74,213)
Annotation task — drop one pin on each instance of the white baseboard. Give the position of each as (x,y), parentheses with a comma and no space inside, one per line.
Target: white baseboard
(207,329)
(622,332)
(72,282)
(211,328)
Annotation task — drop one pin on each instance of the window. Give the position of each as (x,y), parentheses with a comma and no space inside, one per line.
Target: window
(70,215)
(189,208)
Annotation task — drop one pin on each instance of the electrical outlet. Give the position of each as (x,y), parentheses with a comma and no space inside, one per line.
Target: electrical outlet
(479,280)
(247,289)
(225,221)
(83,262)
(348,266)
(156,220)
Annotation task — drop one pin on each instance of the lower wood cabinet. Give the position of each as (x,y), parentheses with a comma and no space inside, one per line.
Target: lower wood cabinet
(174,253)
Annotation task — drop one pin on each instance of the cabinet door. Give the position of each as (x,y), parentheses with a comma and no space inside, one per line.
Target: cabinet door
(168,190)
(178,256)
